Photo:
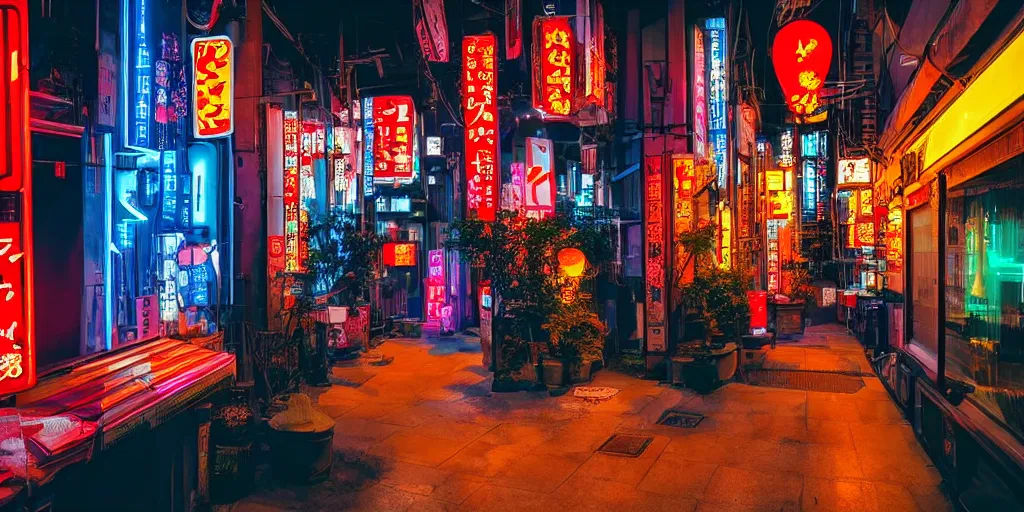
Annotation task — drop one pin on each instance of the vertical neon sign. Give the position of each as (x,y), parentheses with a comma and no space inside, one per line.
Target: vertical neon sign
(655,254)
(291,191)
(700,100)
(480,108)
(718,97)
(141,113)
(368,147)
(435,284)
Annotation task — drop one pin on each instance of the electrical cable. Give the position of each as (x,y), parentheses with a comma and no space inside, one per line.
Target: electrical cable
(214,16)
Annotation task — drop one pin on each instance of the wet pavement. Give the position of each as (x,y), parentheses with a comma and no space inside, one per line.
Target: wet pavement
(424,432)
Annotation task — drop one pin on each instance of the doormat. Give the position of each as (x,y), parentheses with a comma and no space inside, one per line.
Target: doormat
(594,394)
(828,382)
(625,445)
(680,419)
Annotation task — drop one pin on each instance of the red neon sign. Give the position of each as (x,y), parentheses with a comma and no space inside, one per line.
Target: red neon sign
(393,122)
(291,191)
(17,336)
(480,109)
(655,254)
(802,55)
(539,196)
(399,254)
(213,86)
(554,88)
(435,284)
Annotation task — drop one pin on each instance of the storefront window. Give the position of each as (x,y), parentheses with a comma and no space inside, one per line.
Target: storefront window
(924,281)
(985,297)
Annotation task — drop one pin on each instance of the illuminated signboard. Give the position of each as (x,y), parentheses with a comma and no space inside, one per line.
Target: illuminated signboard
(655,254)
(786,158)
(865,234)
(480,111)
(781,204)
(400,254)
(854,171)
(894,241)
(213,86)
(17,335)
(867,206)
(431,29)
(389,123)
(802,55)
(718,96)
(774,265)
(700,100)
(433,146)
(724,236)
(684,182)
(292,189)
(809,205)
(593,30)
(368,130)
(554,89)
(775,180)
(140,109)
(435,284)
(539,196)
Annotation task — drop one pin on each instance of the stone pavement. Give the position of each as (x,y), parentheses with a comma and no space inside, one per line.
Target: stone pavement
(425,433)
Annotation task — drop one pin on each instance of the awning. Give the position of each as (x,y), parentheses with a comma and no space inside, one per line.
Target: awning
(629,170)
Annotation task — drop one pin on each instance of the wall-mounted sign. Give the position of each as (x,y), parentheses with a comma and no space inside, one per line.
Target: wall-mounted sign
(292,192)
(400,254)
(854,171)
(554,87)
(513,29)
(700,100)
(780,204)
(435,284)
(480,111)
(539,195)
(654,251)
(894,241)
(213,86)
(431,29)
(786,158)
(809,201)
(802,55)
(388,126)
(774,258)
(724,236)
(433,146)
(775,180)
(718,95)
(590,22)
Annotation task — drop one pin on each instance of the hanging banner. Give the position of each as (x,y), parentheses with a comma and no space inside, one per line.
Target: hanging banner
(213,87)
(435,284)
(894,241)
(554,87)
(368,140)
(590,30)
(539,196)
(513,29)
(389,123)
(292,191)
(514,199)
(480,111)
(431,29)
(718,97)
(724,237)
(700,100)
(654,242)
(802,55)
(774,258)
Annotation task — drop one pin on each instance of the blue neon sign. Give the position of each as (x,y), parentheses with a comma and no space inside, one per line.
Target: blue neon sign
(718,96)
(141,110)
(368,147)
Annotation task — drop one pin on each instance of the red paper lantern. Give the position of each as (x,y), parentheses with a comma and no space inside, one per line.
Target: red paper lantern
(802,55)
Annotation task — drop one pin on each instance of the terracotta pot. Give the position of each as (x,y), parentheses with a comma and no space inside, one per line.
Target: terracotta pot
(555,372)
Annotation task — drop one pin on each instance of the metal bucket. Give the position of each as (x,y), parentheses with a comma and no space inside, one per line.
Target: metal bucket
(301,457)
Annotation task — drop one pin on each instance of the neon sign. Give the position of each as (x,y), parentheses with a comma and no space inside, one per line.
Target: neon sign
(539,196)
(725,237)
(894,241)
(802,55)
(292,190)
(213,86)
(388,122)
(700,101)
(786,158)
(774,265)
(809,209)
(435,284)
(655,255)
(480,109)
(854,171)
(400,254)
(368,147)
(141,113)
(554,89)
(718,97)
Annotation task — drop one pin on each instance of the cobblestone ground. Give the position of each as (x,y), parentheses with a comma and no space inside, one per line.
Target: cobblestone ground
(424,433)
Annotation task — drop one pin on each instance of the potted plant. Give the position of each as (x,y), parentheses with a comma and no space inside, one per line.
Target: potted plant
(576,337)
(231,434)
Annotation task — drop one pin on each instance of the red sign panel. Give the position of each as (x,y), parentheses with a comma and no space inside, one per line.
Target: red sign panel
(400,254)
(17,338)
(554,87)
(291,192)
(513,29)
(435,284)
(213,84)
(539,197)
(393,123)
(654,240)
(480,111)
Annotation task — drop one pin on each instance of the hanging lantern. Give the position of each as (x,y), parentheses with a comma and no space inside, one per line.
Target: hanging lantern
(572,261)
(802,55)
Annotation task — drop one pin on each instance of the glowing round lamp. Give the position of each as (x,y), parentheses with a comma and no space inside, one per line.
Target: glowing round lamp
(572,261)
(802,55)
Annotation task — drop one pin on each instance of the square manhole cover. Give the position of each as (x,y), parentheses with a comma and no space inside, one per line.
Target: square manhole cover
(681,419)
(625,445)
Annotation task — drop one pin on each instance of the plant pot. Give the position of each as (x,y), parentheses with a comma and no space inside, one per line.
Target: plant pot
(555,372)
(726,360)
(583,373)
(301,457)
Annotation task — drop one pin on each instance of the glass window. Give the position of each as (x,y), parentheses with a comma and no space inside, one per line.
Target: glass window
(924,279)
(985,297)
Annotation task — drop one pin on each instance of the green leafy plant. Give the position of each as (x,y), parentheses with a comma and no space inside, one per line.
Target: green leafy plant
(342,258)
(576,335)
(798,285)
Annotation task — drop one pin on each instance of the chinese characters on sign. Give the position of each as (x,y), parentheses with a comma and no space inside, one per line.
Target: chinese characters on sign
(291,192)
(802,55)
(213,87)
(654,240)
(400,254)
(435,284)
(554,88)
(894,241)
(724,236)
(786,158)
(718,96)
(774,266)
(368,130)
(539,194)
(480,111)
(700,101)
(392,121)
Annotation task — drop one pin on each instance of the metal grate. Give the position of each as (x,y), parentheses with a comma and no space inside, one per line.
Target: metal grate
(625,445)
(828,382)
(680,419)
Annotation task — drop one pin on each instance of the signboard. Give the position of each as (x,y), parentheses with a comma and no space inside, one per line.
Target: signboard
(700,101)
(724,236)
(292,190)
(809,202)
(480,111)
(775,180)
(17,336)
(389,122)
(213,87)
(554,87)
(718,96)
(431,29)
(654,251)
(142,80)
(802,55)
(539,196)
(513,29)
(400,254)
(854,171)
(780,204)
(786,158)
(433,146)
(590,18)
(894,241)
(368,140)
(435,284)
(774,261)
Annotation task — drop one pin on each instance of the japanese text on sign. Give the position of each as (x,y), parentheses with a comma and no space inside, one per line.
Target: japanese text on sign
(292,190)
(700,101)
(480,111)
(435,284)
(655,254)
(391,139)
(213,86)
(554,88)
(718,96)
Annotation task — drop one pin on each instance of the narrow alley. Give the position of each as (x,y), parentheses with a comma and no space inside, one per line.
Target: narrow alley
(425,433)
